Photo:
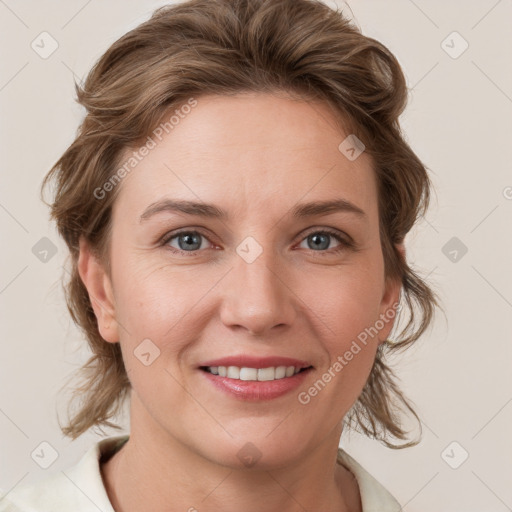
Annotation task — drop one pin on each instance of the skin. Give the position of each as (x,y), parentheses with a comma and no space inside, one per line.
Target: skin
(256,156)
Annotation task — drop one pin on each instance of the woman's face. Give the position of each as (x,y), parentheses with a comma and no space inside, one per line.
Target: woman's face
(273,282)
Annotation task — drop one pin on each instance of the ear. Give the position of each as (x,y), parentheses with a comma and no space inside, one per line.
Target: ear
(99,287)
(390,301)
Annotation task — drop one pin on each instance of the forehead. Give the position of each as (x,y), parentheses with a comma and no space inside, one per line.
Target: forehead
(257,150)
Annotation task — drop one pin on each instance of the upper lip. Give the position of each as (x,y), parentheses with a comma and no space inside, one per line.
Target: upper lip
(244,361)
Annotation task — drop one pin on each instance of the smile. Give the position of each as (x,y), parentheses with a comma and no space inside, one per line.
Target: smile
(256,379)
(254,374)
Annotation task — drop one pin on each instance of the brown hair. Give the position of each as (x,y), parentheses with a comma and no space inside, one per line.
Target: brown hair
(226,47)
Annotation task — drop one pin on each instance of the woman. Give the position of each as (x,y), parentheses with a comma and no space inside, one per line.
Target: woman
(235,204)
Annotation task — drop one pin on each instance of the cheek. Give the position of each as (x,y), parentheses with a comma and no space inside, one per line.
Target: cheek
(162,304)
(348,305)
(347,301)
(154,307)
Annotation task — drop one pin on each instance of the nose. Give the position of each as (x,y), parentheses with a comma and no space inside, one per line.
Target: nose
(258,297)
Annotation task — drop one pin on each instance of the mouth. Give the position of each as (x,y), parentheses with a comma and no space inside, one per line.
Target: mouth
(254,379)
(254,374)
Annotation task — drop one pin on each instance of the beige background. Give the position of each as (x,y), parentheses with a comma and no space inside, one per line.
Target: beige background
(459,121)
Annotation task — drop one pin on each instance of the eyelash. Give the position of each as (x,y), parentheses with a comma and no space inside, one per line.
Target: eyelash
(344,244)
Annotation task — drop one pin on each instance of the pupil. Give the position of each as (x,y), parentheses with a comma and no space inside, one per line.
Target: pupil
(317,239)
(189,243)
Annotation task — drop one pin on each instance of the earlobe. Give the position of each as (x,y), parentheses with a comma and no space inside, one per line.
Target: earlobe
(99,288)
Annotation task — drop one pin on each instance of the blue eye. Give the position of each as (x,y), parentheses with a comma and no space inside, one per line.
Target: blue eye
(320,240)
(190,242)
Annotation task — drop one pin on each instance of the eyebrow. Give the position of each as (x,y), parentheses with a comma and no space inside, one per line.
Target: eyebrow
(206,210)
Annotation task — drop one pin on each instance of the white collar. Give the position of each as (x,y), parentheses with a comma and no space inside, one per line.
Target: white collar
(81,487)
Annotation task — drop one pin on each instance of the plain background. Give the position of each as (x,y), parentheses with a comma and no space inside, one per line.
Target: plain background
(459,121)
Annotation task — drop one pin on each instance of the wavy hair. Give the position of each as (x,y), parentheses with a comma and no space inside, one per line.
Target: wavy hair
(225,47)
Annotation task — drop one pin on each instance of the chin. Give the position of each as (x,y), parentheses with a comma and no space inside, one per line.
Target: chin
(260,451)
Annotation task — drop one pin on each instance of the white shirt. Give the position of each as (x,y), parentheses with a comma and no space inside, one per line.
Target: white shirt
(80,488)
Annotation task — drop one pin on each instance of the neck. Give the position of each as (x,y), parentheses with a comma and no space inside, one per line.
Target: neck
(153,471)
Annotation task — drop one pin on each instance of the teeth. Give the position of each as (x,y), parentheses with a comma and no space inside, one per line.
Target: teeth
(233,372)
(266,374)
(280,372)
(248,374)
(259,374)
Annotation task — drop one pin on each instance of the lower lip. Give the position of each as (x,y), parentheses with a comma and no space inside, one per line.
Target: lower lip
(254,390)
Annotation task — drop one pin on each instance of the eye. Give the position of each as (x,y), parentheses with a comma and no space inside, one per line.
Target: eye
(186,241)
(319,241)
(189,242)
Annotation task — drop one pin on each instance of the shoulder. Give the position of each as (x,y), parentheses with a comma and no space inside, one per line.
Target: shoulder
(79,488)
(374,496)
